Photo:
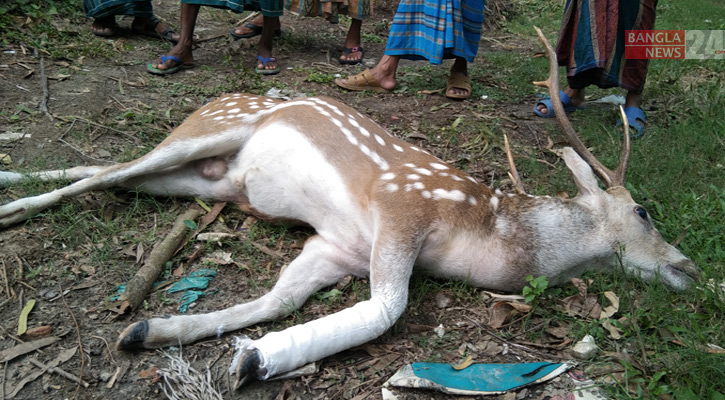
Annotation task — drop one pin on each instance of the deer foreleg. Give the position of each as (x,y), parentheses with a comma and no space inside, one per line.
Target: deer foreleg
(280,352)
(318,266)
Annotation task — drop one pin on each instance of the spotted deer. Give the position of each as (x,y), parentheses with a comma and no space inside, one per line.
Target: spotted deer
(381,208)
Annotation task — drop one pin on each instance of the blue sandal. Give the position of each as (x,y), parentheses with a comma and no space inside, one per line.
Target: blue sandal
(265,71)
(633,114)
(565,101)
(180,64)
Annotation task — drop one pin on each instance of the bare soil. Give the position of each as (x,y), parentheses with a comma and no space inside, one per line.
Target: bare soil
(72,284)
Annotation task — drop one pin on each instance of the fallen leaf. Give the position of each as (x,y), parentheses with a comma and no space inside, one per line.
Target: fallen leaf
(37,332)
(465,364)
(149,373)
(614,332)
(23,321)
(612,309)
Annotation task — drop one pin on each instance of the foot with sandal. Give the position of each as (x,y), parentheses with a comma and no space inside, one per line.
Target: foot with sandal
(152,27)
(381,78)
(573,99)
(253,28)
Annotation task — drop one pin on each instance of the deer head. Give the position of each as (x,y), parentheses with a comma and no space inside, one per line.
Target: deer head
(640,248)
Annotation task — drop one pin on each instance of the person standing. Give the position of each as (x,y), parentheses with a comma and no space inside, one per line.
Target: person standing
(432,30)
(591,47)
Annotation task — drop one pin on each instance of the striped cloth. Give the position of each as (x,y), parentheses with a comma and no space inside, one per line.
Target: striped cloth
(329,9)
(269,8)
(435,30)
(591,42)
(106,8)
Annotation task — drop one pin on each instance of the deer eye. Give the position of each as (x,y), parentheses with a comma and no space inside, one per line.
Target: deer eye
(641,212)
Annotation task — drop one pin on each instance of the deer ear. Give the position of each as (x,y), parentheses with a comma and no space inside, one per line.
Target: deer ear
(584,177)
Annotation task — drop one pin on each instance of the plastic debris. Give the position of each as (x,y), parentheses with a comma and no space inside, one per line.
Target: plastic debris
(477,379)
(189,297)
(585,348)
(196,280)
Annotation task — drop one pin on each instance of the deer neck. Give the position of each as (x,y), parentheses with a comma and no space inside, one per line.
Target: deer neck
(513,236)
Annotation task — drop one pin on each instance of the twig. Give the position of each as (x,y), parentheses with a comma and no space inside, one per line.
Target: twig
(96,124)
(78,333)
(107,347)
(516,345)
(140,285)
(77,150)
(60,372)
(5,277)
(513,173)
(44,85)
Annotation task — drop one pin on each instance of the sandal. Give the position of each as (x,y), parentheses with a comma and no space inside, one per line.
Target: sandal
(347,51)
(264,70)
(149,29)
(458,80)
(634,115)
(180,64)
(362,81)
(108,26)
(255,30)
(565,101)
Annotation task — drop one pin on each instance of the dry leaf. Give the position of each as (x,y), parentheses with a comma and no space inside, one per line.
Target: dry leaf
(612,309)
(614,332)
(23,321)
(465,364)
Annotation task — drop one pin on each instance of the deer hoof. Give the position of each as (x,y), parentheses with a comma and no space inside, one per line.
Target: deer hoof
(133,337)
(247,367)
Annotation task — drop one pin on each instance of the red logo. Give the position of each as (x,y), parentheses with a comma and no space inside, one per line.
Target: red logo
(654,44)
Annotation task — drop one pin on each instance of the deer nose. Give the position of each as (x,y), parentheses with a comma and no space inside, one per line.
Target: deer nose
(688,268)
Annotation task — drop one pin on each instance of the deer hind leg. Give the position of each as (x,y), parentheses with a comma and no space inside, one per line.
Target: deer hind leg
(319,265)
(8,178)
(158,160)
(279,352)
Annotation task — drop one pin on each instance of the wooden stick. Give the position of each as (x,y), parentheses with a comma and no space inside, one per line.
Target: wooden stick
(60,372)
(140,285)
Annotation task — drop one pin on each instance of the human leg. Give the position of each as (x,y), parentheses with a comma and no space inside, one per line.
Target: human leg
(353,52)
(181,55)
(379,78)
(266,64)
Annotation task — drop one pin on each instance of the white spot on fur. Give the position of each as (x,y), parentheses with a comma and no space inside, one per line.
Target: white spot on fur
(456,178)
(234,110)
(219,118)
(398,148)
(455,195)
(379,140)
(231,104)
(423,171)
(472,179)
(409,165)
(414,148)
(426,194)
(391,187)
(418,185)
(498,192)
(387,176)
(413,177)
(472,200)
(494,203)
(438,166)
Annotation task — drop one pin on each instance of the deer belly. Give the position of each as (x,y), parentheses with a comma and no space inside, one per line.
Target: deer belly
(285,176)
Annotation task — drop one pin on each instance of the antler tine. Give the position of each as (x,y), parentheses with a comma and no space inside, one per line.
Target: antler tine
(513,172)
(552,83)
(621,171)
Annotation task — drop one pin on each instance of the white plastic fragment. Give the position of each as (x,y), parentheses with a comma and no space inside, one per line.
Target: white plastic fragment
(585,348)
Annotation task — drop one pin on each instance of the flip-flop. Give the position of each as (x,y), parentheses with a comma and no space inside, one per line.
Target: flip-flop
(265,71)
(149,29)
(256,30)
(458,80)
(633,114)
(348,50)
(180,64)
(565,101)
(362,81)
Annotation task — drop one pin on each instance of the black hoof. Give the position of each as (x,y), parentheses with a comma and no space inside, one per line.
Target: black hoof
(247,368)
(133,337)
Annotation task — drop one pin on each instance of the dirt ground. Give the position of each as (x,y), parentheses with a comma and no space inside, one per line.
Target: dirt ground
(95,90)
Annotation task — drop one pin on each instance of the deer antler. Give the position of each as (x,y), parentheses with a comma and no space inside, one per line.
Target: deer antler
(513,172)
(610,178)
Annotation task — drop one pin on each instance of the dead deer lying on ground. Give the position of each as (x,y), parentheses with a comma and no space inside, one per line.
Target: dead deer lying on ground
(380,207)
